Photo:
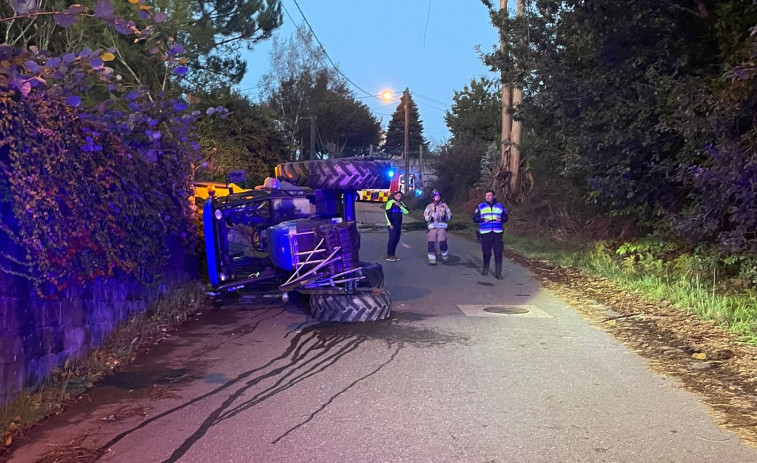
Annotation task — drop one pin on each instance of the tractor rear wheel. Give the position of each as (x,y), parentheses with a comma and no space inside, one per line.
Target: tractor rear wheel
(336,174)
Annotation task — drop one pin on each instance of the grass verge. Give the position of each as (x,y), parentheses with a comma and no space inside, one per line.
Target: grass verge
(709,298)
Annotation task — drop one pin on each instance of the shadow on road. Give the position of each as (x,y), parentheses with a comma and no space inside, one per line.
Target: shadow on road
(311,351)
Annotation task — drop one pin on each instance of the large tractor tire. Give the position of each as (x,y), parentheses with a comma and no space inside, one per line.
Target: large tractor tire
(365,306)
(374,275)
(337,174)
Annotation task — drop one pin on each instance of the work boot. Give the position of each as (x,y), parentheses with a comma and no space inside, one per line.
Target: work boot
(498,270)
(485,271)
(445,257)
(432,259)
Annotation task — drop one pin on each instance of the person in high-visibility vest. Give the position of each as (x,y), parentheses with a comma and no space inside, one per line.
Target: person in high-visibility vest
(490,215)
(394,211)
(437,214)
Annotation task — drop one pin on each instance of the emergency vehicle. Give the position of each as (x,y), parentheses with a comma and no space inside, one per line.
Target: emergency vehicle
(397,183)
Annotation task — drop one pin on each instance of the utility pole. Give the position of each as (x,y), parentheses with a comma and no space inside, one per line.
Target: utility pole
(407,139)
(312,137)
(420,166)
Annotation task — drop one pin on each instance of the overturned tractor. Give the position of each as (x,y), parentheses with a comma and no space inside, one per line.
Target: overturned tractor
(298,234)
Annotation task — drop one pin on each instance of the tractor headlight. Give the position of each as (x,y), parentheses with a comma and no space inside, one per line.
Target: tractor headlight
(218,214)
(222,276)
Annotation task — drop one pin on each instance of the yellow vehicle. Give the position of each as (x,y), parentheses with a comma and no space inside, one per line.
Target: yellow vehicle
(203,190)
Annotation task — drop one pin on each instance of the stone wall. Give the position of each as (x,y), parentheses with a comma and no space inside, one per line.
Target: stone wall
(38,334)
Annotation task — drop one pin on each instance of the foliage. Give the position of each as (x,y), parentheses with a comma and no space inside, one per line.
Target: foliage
(490,159)
(395,133)
(299,87)
(346,126)
(250,140)
(213,33)
(476,112)
(44,146)
(648,107)
(117,157)
(458,168)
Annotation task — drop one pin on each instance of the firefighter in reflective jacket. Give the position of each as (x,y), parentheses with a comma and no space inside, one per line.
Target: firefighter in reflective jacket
(490,215)
(437,215)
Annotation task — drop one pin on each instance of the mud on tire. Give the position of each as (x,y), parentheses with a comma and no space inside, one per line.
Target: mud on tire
(366,305)
(337,174)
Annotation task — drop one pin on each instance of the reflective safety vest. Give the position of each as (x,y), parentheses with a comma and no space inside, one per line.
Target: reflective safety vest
(488,212)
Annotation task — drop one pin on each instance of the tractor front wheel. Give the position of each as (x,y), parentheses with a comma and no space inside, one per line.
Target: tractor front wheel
(366,305)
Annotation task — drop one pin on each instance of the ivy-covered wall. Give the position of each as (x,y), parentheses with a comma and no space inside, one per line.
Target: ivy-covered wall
(38,334)
(95,187)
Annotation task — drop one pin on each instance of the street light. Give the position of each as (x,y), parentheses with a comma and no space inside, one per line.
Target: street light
(388,95)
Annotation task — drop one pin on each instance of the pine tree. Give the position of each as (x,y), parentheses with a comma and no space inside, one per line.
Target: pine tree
(395,134)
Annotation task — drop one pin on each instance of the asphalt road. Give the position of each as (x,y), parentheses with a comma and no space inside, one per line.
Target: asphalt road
(444,380)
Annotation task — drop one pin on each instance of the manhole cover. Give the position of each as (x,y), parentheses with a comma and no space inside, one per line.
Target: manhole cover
(491,310)
(504,310)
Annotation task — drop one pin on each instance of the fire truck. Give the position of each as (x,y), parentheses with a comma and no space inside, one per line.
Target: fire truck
(397,183)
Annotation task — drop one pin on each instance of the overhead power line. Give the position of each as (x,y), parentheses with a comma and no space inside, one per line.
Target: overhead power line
(428,15)
(446,105)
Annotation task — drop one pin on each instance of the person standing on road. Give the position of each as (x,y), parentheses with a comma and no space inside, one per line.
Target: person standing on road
(490,215)
(437,215)
(394,210)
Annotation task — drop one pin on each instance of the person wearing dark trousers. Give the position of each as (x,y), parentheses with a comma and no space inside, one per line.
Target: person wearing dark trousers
(491,215)
(394,211)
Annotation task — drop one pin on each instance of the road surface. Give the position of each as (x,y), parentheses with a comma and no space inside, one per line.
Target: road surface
(468,369)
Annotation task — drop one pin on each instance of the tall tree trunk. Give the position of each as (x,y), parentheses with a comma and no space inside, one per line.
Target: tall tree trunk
(515,181)
(507,177)
(503,169)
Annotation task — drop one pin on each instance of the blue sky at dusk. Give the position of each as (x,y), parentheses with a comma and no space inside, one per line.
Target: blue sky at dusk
(428,46)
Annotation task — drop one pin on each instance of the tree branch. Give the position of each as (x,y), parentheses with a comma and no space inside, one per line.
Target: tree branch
(701,9)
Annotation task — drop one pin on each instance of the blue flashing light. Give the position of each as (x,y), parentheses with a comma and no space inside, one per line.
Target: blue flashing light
(418,191)
(390,173)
